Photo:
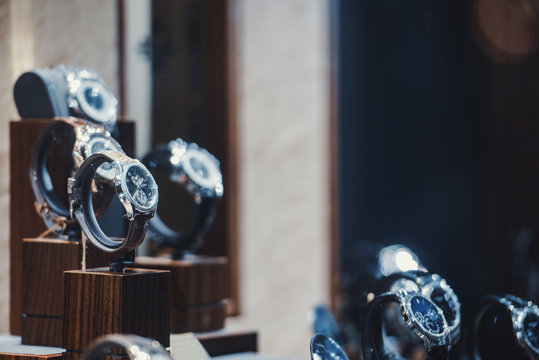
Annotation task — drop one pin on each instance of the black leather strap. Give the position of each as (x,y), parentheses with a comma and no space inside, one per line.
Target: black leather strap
(83,211)
(61,134)
(372,343)
(159,232)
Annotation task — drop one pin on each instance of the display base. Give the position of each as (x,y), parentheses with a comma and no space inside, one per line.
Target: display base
(98,302)
(44,261)
(199,284)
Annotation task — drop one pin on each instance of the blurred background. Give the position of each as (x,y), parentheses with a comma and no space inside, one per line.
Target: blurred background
(341,126)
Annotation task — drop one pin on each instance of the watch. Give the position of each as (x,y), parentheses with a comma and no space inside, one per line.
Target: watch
(505,327)
(80,139)
(434,287)
(89,97)
(324,347)
(135,188)
(136,347)
(420,315)
(199,173)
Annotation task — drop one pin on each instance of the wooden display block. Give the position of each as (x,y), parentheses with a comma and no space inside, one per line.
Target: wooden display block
(24,220)
(44,262)
(98,302)
(198,318)
(199,284)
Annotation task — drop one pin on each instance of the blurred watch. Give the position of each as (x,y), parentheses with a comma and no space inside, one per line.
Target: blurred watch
(505,327)
(89,97)
(136,347)
(198,172)
(81,139)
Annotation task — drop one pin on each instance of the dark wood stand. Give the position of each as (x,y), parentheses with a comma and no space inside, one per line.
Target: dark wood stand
(44,261)
(24,220)
(99,302)
(199,286)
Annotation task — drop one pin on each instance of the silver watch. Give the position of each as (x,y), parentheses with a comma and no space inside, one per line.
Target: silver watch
(523,317)
(82,139)
(199,173)
(435,288)
(89,97)
(136,189)
(136,347)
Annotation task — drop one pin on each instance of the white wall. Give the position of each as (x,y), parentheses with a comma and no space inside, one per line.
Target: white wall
(283,119)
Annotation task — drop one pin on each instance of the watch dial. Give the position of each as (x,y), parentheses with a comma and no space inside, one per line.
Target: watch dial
(427,315)
(531,330)
(96,101)
(445,302)
(201,168)
(141,186)
(94,98)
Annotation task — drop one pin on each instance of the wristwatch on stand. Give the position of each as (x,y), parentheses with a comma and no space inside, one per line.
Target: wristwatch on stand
(198,172)
(80,139)
(419,314)
(89,97)
(135,188)
(136,347)
(505,327)
(432,286)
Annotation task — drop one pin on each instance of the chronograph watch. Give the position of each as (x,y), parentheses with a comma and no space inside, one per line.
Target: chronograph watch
(434,287)
(80,139)
(422,316)
(89,97)
(505,327)
(136,189)
(199,173)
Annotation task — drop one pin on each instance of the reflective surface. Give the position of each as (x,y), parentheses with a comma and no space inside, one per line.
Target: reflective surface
(324,348)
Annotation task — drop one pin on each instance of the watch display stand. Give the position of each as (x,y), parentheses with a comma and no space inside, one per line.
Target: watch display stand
(24,220)
(44,261)
(98,302)
(199,286)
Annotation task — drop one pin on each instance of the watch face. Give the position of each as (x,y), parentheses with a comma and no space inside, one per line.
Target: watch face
(426,314)
(201,168)
(96,101)
(141,187)
(531,330)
